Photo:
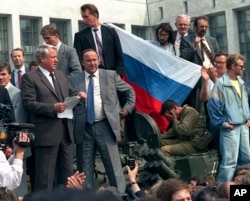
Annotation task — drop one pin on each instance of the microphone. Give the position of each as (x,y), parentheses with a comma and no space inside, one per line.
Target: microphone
(21,125)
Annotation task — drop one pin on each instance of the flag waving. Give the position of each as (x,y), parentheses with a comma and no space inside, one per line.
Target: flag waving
(155,75)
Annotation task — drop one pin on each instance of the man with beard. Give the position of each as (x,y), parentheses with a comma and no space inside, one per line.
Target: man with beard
(200,49)
(165,38)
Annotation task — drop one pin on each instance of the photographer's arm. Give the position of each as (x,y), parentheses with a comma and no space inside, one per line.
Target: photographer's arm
(10,174)
(132,174)
(11,170)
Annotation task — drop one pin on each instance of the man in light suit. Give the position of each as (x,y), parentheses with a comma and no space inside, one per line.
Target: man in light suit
(190,49)
(111,47)
(68,61)
(104,132)
(14,92)
(18,58)
(43,92)
(20,115)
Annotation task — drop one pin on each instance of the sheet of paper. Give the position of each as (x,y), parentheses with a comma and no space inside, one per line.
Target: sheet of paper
(71,103)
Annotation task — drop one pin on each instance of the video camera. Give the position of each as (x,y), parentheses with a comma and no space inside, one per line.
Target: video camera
(10,130)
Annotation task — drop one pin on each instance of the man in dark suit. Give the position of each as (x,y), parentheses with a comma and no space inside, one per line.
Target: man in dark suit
(68,61)
(43,92)
(104,131)
(110,51)
(18,58)
(191,50)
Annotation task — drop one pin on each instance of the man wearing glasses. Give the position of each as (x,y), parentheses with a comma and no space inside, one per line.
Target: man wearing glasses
(208,78)
(199,49)
(228,109)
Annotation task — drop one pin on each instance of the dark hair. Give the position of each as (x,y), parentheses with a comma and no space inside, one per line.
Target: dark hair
(88,50)
(107,194)
(5,66)
(91,8)
(49,29)
(7,194)
(63,194)
(200,18)
(168,187)
(17,49)
(167,28)
(167,106)
(220,53)
(206,194)
(33,63)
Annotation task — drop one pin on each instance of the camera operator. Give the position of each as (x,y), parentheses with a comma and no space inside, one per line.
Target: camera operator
(11,170)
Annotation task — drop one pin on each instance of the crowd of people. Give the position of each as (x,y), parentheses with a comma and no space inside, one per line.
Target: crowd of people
(90,73)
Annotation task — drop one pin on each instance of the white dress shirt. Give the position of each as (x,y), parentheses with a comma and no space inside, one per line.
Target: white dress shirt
(22,69)
(99,112)
(47,75)
(178,42)
(11,171)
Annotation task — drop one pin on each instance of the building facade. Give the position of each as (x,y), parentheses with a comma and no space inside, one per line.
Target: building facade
(22,20)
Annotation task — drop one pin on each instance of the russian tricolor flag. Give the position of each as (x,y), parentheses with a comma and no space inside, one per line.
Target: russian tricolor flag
(155,75)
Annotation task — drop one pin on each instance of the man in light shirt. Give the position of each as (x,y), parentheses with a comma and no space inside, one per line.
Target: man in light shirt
(11,170)
(182,24)
(18,58)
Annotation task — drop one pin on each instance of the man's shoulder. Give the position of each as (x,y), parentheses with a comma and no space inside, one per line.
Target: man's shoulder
(187,108)
(66,47)
(107,72)
(13,89)
(109,29)
(211,38)
(77,76)
(82,32)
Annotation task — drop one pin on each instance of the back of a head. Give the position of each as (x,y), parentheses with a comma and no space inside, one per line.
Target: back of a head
(60,195)
(169,187)
(224,189)
(107,194)
(206,194)
(149,198)
(7,194)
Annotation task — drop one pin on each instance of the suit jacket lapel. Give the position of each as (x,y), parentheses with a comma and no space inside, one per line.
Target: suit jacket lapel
(82,85)
(103,84)
(61,84)
(61,52)
(90,38)
(210,44)
(198,49)
(46,81)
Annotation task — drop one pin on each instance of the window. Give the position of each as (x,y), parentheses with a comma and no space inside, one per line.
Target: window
(81,26)
(4,53)
(139,31)
(217,28)
(62,29)
(29,38)
(161,13)
(122,26)
(213,3)
(185,3)
(243,18)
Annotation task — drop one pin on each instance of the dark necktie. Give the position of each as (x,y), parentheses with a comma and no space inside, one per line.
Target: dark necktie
(90,101)
(19,78)
(99,48)
(56,87)
(204,49)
